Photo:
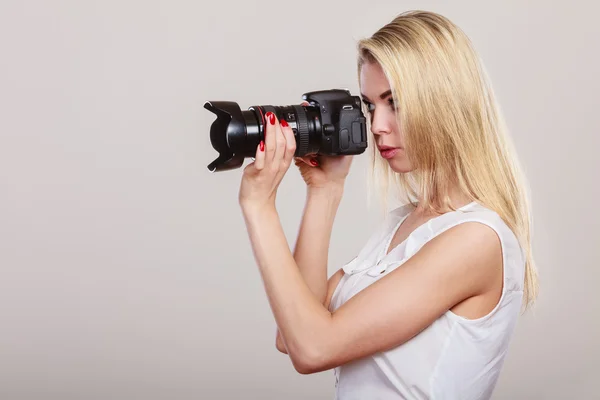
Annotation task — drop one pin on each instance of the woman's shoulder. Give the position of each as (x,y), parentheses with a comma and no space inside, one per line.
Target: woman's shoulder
(477,212)
(512,250)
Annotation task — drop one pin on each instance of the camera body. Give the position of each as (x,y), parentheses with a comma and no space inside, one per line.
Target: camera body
(331,124)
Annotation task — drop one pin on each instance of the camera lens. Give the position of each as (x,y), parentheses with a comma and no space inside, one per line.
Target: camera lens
(305,122)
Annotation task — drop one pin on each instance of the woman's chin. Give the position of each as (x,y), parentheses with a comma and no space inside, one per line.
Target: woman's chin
(399,166)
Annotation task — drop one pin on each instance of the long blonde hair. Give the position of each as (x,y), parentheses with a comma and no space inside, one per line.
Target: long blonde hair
(453,128)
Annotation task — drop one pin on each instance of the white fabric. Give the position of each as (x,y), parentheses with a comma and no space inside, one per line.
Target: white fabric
(453,358)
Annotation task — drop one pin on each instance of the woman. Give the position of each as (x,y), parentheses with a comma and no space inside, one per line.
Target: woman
(428,307)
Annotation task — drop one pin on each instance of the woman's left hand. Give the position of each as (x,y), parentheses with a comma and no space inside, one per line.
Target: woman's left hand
(273,158)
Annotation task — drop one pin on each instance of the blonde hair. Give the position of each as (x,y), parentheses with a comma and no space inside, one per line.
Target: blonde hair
(452,125)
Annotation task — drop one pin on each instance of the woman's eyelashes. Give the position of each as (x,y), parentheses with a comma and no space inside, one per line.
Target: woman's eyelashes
(371,107)
(391,103)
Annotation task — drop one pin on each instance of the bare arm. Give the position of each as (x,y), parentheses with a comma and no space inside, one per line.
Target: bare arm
(312,246)
(331,285)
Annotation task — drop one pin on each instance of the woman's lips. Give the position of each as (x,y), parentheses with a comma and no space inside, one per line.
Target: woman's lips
(389,152)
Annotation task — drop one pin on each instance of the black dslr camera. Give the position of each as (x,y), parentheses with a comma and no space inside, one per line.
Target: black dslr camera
(332,124)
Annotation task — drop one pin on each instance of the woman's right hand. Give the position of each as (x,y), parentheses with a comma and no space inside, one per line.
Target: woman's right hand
(320,171)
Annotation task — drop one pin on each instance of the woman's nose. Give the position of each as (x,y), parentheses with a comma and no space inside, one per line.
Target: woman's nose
(379,125)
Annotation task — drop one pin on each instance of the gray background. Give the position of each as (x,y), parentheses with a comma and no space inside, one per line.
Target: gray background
(126,270)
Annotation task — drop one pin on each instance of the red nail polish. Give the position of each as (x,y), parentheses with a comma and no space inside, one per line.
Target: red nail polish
(284,123)
(314,162)
(262,145)
(271,118)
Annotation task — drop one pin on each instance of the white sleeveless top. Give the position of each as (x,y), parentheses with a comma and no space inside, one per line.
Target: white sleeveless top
(455,357)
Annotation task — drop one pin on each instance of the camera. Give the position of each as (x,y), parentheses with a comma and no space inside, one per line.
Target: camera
(331,124)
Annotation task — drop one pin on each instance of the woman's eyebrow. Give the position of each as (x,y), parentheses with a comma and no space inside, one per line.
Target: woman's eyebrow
(381,96)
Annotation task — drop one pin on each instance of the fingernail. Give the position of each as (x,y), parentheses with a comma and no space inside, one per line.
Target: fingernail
(262,145)
(284,123)
(271,118)
(314,162)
